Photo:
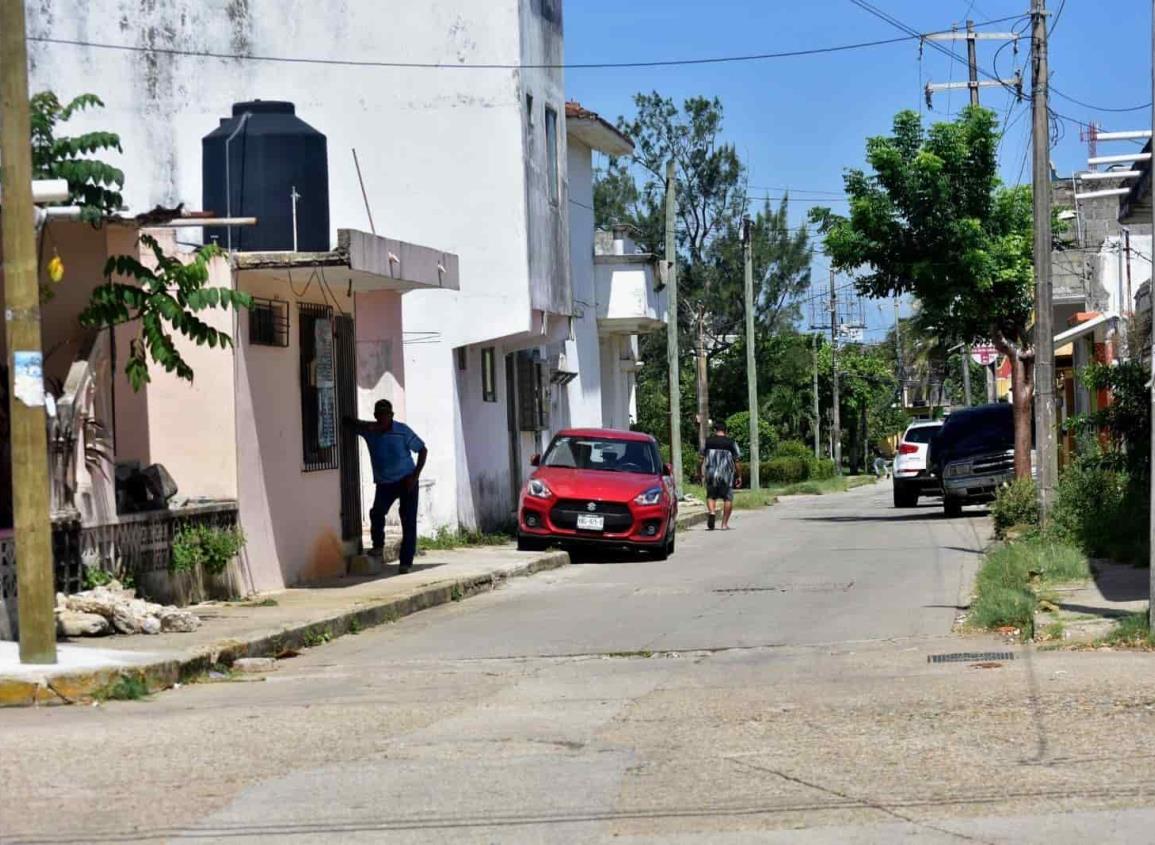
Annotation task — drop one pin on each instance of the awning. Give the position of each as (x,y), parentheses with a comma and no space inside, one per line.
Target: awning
(1083,329)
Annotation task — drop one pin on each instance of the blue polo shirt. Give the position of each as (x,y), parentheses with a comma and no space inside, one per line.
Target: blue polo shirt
(391,452)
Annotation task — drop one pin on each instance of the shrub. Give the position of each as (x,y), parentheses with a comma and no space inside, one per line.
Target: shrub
(1101,509)
(1017,503)
(794,449)
(786,470)
(738,427)
(821,468)
(209,547)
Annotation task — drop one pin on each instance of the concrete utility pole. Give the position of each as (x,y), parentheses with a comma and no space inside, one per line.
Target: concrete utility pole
(835,423)
(672,323)
(1045,438)
(703,380)
(817,411)
(34,564)
(1151,522)
(751,357)
(898,355)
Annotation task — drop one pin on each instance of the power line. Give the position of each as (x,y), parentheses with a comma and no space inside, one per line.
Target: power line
(1087,105)
(205,54)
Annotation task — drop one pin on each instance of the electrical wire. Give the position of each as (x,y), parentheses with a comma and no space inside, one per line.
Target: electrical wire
(205,54)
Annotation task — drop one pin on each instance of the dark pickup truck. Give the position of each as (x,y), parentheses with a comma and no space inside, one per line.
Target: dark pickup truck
(974,455)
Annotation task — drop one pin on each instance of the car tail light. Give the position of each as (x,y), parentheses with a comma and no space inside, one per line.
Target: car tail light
(907,449)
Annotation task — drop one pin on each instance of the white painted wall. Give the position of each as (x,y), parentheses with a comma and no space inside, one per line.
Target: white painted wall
(582,406)
(443,152)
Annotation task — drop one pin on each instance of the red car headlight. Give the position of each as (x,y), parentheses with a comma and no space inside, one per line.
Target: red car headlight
(653,496)
(538,489)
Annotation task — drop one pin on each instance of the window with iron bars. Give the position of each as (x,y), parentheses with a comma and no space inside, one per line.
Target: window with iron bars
(319,420)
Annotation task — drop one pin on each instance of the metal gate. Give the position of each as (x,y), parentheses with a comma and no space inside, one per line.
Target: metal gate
(345,349)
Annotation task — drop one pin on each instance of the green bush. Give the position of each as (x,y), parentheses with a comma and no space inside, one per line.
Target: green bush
(1017,503)
(738,427)
(821,468)
(794,449)
(209,547)
(786,470)
(1101,509)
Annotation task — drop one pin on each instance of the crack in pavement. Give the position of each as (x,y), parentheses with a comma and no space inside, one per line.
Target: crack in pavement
(875,805)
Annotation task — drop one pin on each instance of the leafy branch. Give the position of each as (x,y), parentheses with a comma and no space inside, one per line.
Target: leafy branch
(165,300)
(93,185)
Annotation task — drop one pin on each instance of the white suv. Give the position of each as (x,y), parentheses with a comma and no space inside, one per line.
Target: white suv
(913,477)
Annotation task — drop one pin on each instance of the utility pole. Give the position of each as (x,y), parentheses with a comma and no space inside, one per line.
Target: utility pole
(836,423)
(817,411)
(672,324)
(972,84)
(898,356)
(1044,315)
(751,357)
(703,379)
(966,374)
(1151,518)
(36,595)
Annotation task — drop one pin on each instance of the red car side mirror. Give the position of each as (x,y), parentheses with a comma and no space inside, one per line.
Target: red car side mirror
(535,461)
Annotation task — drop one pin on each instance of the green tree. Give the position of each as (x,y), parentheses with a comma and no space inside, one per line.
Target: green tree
(164,299)
(932,219)
(712,199)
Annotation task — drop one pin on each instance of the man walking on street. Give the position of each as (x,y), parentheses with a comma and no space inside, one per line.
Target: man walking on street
(392,445)
(719,472)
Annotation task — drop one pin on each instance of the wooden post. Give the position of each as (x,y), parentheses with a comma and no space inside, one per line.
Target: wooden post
(672,351)
(34,566)
(751,356)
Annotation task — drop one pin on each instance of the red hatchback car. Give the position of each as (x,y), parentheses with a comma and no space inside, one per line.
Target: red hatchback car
(599,486)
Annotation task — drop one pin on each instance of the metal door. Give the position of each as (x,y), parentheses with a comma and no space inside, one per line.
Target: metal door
(344,341)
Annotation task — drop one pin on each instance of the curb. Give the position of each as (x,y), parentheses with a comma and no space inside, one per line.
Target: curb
(692,520)
(83,687)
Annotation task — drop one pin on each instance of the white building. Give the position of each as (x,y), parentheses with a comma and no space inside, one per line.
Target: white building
(617,291)
(471,159)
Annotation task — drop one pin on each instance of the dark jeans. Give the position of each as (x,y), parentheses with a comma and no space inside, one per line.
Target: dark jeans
(387,494)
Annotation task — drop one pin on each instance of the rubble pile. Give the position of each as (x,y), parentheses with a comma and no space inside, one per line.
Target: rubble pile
(113,608)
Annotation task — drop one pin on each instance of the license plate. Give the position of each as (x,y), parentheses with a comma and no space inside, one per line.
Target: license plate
(591,522)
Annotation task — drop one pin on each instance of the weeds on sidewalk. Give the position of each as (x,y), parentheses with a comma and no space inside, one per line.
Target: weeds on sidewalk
(449,538)
(124,688)
(1132,631)
(1008,583)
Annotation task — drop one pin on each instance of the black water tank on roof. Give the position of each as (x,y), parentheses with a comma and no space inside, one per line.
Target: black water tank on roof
(271,153)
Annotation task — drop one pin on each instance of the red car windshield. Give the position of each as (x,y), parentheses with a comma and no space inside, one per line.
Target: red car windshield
(603,454)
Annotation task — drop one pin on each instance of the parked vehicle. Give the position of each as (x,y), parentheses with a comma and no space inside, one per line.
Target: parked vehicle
(913,474)
(974,454)
(600,487)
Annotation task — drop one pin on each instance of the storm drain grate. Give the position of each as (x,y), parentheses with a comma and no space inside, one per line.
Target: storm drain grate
(970,657)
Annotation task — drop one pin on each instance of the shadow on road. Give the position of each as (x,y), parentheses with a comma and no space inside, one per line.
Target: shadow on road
(913,515)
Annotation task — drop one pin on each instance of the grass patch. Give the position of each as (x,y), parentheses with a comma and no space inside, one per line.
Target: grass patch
(314,638)
(124,688)
(456,538)
(645,652)
(1131,630)
(1008,583)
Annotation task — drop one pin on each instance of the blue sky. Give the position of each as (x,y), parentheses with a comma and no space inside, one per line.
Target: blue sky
(800,121)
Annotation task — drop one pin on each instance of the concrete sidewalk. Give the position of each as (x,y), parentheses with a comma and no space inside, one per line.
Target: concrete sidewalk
(1082,613)
(272,624)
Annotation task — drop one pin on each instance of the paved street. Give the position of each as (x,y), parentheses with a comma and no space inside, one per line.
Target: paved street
(764,680)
